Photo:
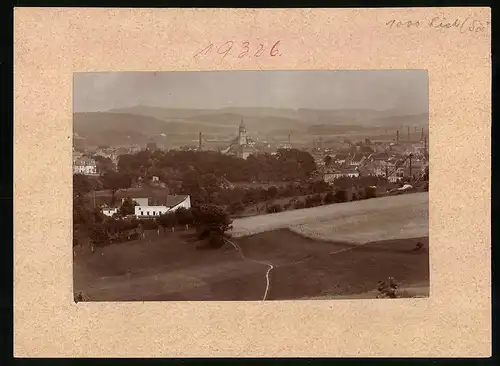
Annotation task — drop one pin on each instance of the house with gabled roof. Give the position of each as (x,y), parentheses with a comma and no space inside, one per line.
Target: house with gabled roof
(157,206)
(150,207)
(357,160)
(84,165)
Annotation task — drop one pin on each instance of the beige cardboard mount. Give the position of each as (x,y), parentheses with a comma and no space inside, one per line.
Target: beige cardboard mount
(453,44)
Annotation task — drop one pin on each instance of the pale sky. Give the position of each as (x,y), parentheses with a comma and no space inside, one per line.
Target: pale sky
(405,91)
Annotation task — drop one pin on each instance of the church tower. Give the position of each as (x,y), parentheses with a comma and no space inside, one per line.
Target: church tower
(242,134)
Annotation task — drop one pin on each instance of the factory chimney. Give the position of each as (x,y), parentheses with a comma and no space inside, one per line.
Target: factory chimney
(397,137)
(200,141)
(408,133)
(289,140)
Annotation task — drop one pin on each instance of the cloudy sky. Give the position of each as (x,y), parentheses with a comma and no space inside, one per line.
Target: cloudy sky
(404,91)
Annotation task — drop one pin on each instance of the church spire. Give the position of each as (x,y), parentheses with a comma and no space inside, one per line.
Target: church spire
(242,126)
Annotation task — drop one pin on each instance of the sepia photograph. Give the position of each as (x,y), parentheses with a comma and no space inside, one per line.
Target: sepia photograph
(250,185)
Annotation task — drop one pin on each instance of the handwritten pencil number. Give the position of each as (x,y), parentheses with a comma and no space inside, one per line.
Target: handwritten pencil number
(225,48)
(205,50)
(246,49)
(260,51)
(274,49)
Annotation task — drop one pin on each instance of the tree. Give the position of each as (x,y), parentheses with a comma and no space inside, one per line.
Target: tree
(127,207)
(184,216)
(370,192)
(328,160)
(214,220)
(300,204)
(341,196)
(104,164)
(236,207)
(98,234)
(115,181)
(168,219)
(81,185)
(272,192)
(319,186)
(329,198)
(274,208)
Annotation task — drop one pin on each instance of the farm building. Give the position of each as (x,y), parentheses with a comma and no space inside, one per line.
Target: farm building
(159,206)
(152,206)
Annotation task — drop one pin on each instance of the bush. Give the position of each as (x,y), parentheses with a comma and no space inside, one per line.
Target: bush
(216,240)
(272,192)
(300,204)
(274,208)
(212,217)
(236,207)
(341,196)
(168,219)
(329,198)
(313,201)
(148,224)
(370,192)
(184,216)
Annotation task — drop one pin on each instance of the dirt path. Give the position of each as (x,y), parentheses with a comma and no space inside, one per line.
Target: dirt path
(270,265)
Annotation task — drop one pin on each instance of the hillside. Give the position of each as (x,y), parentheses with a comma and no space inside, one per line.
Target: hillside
(281,117)
(137,125)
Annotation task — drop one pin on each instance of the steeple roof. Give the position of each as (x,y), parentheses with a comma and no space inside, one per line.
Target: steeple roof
(242,126)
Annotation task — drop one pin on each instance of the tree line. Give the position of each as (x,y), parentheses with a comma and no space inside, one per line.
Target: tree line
(210,221)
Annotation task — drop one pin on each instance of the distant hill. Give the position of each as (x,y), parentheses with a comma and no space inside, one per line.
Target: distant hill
(220,120)
(140,124)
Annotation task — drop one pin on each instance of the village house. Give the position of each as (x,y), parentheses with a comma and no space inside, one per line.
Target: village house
(340,158)
(159,206)
(357,160)
(329,175)
(376,168)
(153,207)
(84,165)
(109,211)
(351,173)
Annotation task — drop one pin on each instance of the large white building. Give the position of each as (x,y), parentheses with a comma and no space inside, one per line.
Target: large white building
(154,207)
(84,165)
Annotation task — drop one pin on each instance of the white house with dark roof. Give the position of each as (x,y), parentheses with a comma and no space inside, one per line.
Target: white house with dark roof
(84,165)
(109,211)
(153,207)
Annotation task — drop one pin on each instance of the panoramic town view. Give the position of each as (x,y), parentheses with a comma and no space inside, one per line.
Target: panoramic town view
(250,185)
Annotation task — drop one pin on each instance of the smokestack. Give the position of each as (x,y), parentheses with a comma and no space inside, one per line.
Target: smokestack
(408,133)
(200,142)
(397,137)
(289,140)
